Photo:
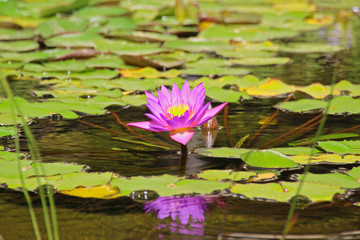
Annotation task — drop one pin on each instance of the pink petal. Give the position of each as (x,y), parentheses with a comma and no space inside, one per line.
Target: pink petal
(185,91)
(182,135)
(148,125)
(211,113)
(151,96)
(176,96)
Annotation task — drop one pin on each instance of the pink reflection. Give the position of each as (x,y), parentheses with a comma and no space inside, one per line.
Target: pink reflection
(189,210)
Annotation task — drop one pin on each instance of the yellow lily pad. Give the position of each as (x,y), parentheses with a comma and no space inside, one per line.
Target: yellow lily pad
(103,192)
(148,72)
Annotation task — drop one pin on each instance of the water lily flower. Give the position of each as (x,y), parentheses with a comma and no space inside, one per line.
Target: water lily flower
(178,111)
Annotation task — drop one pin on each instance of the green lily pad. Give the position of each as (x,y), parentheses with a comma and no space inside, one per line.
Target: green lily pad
(197,46)
(12,34)
(261,61)
(344,147)
(339,105)
(223,152)
(49,8)
(89,74)
(122,47)
(224,175)
(117,23)
(245,53)
(34,56)
(326,159)
(135,100)
(216,71)
(224,95)
(268,159)
(66,66)
(9,156)
(61,25)
(7,131)
(19,46)
(336,179)
(10,64)
(73,40)
(287,190)
(251,34)
(166,185)
(310,48)
(97,11)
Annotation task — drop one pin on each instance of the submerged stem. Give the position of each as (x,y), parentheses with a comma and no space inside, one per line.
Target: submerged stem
(183,160)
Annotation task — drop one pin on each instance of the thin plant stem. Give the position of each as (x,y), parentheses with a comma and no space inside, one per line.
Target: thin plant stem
(35,156)
(267,122)
(289,223)
(293,132)
(137,134)
(183,160)
(21,175)
(226,111)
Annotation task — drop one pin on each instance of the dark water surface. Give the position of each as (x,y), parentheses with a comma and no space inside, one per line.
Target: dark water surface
(225,217)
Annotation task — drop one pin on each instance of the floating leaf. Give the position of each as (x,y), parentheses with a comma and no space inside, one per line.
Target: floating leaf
(261,61)
(339,105)
(225,95)
(135,100)
(287,190)
(223,152)
(216,71)
(166,185)
(326,159)
(153,61)
(12,34)
(344,147)
(19,46)
(73,40)
(34,56)
(310,48)
(271,88)
(148,72)
(96,11)
(336,179)
(225,174)
(268,159)
(61,25)
(197,46)
(102,192)
(89,74)
(7,131)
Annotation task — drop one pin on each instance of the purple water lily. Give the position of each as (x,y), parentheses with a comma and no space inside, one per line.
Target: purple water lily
(178,111)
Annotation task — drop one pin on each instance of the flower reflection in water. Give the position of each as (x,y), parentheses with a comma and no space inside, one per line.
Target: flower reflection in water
(189,210)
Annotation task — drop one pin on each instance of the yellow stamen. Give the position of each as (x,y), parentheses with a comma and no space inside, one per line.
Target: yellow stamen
(177,110)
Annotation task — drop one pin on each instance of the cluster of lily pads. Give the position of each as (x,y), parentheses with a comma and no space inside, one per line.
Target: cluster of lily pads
(91,54)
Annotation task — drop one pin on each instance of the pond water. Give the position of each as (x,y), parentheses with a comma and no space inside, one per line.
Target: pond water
(213,216)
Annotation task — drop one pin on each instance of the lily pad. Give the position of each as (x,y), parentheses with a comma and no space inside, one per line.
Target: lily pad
(262,61)
(166,185)
(12,34)
(344,147)
(216,71)
(339,105)
(268,159)
(225,95)
(19,46)
(61,25)
(335,179)
(310,48)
